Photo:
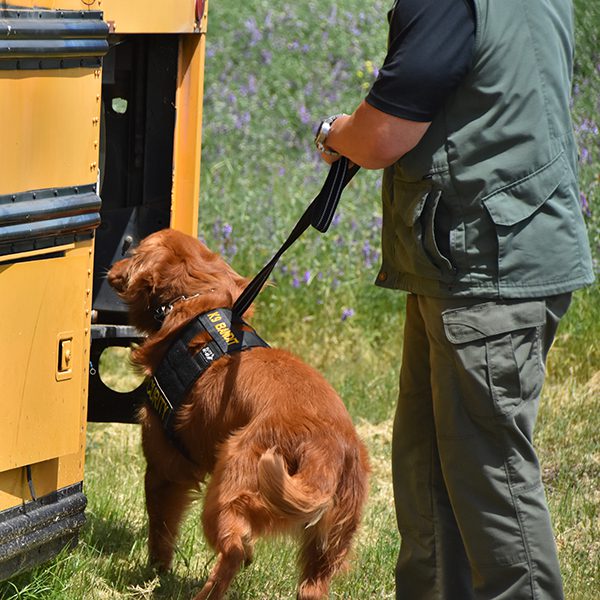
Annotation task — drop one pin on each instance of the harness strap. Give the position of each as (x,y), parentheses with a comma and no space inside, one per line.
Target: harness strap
(179,368)
(319,214)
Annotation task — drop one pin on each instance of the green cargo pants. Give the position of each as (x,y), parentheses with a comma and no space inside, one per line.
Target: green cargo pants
(469,498)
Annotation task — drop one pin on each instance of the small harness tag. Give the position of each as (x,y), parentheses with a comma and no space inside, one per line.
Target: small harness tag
(208,354)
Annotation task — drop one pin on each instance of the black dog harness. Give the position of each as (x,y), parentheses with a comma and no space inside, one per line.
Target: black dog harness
(179,368)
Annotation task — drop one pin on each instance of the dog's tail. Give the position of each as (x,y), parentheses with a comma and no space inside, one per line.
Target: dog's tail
(287,496)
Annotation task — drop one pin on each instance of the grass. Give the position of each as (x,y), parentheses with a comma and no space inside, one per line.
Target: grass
(272,72)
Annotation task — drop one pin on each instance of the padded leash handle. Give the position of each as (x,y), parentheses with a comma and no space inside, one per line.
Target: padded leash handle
(319,214)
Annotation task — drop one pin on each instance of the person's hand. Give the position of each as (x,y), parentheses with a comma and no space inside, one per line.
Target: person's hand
(330,158)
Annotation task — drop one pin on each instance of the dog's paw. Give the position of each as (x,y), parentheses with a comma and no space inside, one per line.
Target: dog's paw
(159,567)
(206,592)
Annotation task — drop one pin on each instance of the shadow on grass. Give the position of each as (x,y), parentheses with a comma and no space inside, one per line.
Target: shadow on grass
(110,535)
(181,584)
(122,547)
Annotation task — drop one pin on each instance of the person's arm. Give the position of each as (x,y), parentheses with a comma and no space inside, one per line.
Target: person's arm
(373,139)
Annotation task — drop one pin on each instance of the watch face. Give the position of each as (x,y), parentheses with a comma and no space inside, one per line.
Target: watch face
(321,136)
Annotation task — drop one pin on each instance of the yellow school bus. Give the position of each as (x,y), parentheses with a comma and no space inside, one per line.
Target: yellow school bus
(100,128)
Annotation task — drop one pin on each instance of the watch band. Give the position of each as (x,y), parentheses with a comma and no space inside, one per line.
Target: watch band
(323,133)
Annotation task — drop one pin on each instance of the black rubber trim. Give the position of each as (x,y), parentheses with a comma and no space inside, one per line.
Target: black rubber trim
(36,531)
(47,218)
(51,39)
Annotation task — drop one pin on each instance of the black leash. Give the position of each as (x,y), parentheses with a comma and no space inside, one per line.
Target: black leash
(319,214)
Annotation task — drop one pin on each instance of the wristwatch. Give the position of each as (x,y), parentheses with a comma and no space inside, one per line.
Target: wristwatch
(323,133)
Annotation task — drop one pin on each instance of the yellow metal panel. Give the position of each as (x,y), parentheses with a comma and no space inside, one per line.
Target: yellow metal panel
(188,135)
(141,16)
(50,128)
(14,489)
(42,417)
(47,476)
(129,16)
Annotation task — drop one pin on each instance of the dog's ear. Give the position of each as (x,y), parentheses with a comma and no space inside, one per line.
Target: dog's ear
(230,280)
(212,272)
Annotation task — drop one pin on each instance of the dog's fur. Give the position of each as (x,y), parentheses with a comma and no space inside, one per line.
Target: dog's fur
(277,439)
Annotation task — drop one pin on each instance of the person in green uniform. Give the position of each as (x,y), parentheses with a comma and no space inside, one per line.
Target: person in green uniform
(469,118)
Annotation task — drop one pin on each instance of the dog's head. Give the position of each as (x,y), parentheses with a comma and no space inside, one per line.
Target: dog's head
(166,266)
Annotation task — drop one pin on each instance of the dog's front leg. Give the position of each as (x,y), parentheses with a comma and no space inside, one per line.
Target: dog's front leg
(166,503)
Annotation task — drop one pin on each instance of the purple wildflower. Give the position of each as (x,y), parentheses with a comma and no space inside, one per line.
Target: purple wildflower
(347,313)
(367,253)
(242,120)
(304,115)
(585,205)
(268,20)
(255,33)
(588,126)
(252,87)
(332,19)
(584,156)
(267,57)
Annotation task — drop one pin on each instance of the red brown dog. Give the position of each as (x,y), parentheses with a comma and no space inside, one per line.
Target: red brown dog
(275,437)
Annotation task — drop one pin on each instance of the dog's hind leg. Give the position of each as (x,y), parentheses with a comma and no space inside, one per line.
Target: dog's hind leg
(166,503)
(325,547)
(227,524)
(230,535)
(318,566)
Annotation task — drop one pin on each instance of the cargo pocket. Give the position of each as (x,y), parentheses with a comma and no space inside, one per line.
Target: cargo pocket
(431,230)
(414,208)
(498,347)
(532,217)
